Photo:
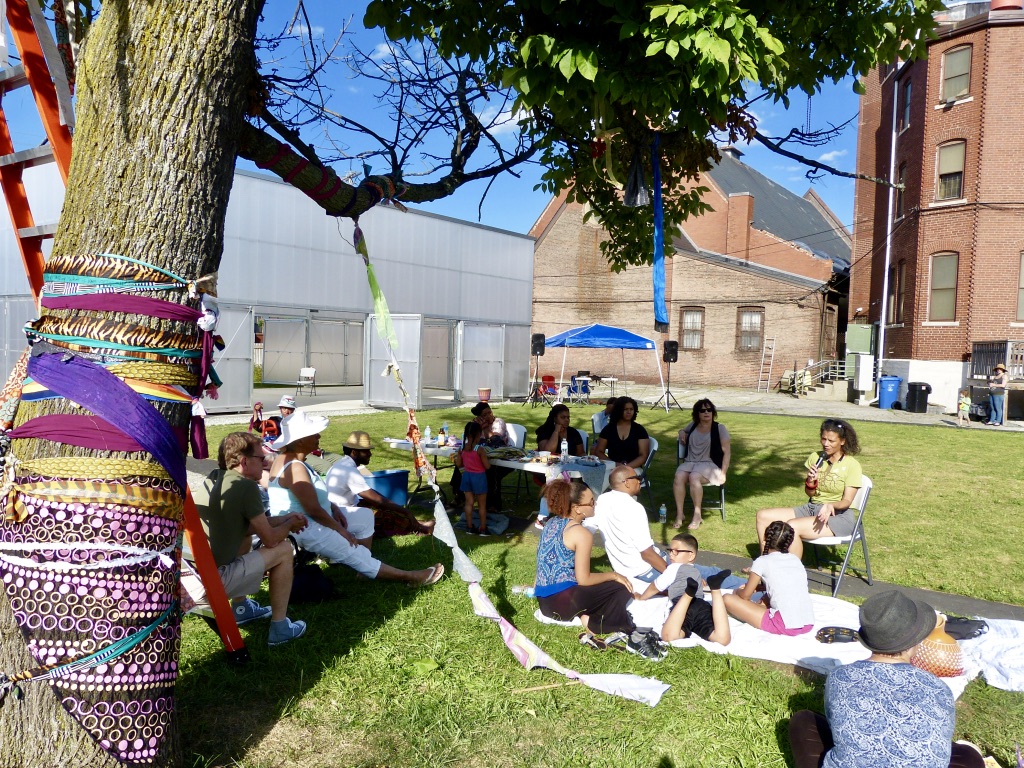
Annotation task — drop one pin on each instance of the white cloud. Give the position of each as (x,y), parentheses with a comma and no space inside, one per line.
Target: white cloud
(503,122)
(382,51)
(301,30)
(831,157)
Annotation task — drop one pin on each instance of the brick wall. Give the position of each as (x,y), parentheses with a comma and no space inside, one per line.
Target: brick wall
(985,228)
(574,286)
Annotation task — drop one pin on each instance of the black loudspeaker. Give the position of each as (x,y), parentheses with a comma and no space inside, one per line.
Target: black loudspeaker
(671,352)
(537,344)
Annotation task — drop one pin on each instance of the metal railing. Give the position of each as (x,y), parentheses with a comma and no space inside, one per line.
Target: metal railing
(817,373)
(985,355)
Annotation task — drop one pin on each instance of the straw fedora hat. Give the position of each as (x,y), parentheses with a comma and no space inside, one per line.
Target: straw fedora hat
(998,367)
(298,425)
(359,441)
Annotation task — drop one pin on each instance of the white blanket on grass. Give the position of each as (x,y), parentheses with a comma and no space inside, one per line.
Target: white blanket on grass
(802,650)
(999,654)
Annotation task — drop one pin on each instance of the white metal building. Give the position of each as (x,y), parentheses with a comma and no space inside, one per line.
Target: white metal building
(460,295)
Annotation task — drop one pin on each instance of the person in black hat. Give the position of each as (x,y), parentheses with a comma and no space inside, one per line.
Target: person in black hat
(883,711)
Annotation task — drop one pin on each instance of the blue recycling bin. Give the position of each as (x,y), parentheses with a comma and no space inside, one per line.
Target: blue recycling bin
(392,484)
(888,391)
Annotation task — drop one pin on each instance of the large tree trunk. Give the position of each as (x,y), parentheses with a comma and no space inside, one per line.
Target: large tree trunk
(162,92)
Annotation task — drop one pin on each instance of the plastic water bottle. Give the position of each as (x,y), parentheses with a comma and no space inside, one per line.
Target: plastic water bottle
(426,435)
(564,458)
(662,514)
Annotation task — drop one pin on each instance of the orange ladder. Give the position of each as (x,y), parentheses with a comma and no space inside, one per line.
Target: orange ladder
(42,70)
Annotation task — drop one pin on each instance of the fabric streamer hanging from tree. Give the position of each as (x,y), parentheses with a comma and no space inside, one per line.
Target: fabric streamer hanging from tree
(658,272)
(647,690)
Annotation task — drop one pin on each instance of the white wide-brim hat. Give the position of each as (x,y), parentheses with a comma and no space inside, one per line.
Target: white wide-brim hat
(298,425)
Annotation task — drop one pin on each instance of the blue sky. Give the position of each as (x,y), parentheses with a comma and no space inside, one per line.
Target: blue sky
(511,203)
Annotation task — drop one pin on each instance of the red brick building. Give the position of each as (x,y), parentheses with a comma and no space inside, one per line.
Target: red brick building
(950,276)
(764,264)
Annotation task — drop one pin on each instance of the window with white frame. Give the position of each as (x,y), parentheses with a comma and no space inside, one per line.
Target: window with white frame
(692,325)
(956,73)
(749,329)
(942,296)
(951,171)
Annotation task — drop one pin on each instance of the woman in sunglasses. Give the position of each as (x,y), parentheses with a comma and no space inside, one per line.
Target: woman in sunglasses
(707,457)
(833,478)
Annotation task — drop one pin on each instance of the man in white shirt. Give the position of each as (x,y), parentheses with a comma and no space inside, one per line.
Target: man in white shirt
(347,487)
(623,522)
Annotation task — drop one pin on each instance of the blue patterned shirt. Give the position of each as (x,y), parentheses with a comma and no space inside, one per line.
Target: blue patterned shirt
(885,715)
(556,563)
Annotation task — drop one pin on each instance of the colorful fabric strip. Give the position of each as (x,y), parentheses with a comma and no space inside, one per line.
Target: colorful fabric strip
(82,430)
(96,344)
(98,390)
(153,500)
(164,393)
(136,305)
(68,285)
(93,468)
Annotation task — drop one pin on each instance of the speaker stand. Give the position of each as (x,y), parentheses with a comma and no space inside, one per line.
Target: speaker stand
(667,395)
(534,398)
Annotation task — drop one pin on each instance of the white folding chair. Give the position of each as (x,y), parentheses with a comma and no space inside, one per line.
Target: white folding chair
(586,440)
(680,457)
(517,433)
(645,479)
(860,503)
(307,380)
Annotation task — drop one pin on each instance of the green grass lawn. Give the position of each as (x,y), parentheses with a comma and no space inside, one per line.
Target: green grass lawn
(388,676)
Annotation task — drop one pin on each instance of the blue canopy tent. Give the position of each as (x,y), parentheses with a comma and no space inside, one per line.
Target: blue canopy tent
(597,336)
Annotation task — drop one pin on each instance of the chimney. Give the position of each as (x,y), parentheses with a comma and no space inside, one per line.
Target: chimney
(734,152)
(741,216)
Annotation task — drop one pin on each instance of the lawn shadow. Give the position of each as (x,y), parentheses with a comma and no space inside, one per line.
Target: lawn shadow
(225,708)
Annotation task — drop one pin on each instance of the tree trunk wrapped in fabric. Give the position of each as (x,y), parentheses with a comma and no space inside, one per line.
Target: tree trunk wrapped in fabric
(161,101)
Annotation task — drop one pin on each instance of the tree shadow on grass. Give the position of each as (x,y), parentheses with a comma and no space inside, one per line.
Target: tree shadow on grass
(225,709)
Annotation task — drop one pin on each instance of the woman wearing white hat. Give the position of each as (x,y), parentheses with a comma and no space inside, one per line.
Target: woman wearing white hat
(296,487)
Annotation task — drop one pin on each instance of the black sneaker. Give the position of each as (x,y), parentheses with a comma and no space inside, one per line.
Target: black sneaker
(640,644)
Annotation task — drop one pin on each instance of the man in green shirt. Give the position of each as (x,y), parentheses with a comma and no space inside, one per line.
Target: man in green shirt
(231,509)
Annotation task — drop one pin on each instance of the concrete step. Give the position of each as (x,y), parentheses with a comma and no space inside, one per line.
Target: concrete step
(835,391)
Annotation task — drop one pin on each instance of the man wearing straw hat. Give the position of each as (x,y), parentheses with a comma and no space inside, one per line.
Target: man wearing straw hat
(348,488)
(883,711)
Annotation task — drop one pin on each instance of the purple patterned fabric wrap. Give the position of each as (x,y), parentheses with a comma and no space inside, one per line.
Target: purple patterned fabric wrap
(126,704)
(98,390)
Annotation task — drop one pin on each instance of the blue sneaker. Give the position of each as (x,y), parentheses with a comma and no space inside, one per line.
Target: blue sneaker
(250,610)
(283,631)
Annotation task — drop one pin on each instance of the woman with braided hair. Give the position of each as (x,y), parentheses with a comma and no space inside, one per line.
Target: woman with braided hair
(786,606)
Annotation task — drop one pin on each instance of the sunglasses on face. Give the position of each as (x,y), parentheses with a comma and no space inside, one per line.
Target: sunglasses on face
(680,551)
(706,410)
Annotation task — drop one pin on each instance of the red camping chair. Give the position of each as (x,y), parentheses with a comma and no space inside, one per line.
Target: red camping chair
(548,390)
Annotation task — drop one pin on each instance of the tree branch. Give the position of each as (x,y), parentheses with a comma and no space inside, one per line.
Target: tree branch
(778,149)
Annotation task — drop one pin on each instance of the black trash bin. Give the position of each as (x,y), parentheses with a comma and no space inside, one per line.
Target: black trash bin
(917,396)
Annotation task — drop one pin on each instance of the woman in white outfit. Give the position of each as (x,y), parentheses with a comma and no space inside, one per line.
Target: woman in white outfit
(296,487)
